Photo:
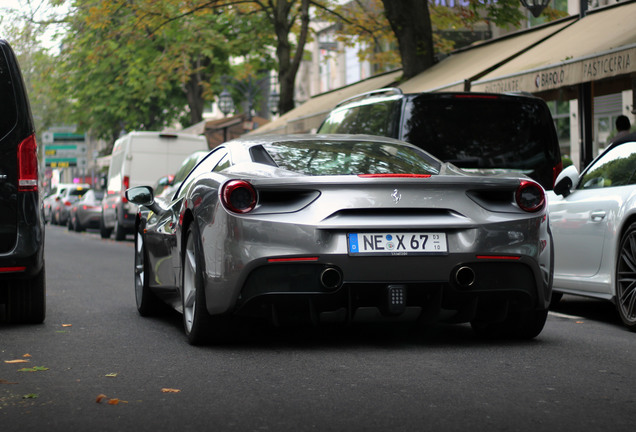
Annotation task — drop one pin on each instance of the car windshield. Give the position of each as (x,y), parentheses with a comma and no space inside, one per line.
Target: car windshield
(481,131)
(617,167)
(350,158)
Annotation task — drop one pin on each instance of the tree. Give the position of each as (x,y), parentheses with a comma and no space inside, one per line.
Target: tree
(136,65)
(416,26)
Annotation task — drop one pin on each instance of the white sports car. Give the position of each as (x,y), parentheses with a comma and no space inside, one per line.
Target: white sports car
(593,219)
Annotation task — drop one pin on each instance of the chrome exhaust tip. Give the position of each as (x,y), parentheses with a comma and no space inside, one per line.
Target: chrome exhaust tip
(465,277)
(331,278)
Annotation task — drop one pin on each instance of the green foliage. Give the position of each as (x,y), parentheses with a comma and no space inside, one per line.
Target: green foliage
(141,65)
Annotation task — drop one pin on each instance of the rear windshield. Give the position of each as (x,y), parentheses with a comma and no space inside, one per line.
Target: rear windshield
(8,106)
(370,117)
(483,131)
(350,158)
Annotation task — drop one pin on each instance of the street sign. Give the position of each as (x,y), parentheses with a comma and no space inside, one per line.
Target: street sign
(64,149)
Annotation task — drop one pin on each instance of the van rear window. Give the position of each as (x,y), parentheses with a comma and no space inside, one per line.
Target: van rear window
(482,132)
(379,118)
(8,107)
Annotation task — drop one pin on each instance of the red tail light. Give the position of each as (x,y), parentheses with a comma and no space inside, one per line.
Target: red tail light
(126,183)
(530,196)
(67,203)
(238,196)
(28,165)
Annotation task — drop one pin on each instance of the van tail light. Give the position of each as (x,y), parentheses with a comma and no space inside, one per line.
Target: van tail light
(238,196)
(530,196)
(28,165)
(126,186)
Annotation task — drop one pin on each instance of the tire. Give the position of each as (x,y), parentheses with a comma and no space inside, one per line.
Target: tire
(103,231)
(555,299)
(26,303)
(69,224)
(77,225)
(625,273)
(199,326)
(147,303)
(120,231)
(519,323)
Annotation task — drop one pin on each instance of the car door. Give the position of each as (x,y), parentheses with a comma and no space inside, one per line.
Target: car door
(583,221)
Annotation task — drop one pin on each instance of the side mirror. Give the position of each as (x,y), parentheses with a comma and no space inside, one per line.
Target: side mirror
(567,180)
(143,196)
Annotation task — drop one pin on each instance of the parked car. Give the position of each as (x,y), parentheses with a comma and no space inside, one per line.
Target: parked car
(70,195)
(52,201)
(22,267)
(338,229)
(593,218)
(86,212)
(140,158)
(476,131)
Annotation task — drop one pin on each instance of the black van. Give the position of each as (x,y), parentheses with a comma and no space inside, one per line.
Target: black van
(22,275)
(475,131)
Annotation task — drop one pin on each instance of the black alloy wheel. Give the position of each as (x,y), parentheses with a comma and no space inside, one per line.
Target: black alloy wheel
(626,278)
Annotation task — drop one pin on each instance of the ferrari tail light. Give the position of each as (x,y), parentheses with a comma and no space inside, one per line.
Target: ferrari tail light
(530,196)
(238,196)
(126,183)
(28,165)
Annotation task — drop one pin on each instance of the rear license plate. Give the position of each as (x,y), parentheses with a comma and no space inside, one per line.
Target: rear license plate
(420,243)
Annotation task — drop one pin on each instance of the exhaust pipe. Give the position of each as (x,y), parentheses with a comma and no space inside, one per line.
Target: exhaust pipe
(330,278)
(465,277)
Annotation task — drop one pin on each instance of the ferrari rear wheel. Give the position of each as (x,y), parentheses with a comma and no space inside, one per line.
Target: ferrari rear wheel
(147,303)
(199,326)
(626,279)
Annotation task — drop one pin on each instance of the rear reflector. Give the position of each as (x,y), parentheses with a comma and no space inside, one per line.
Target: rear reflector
(394,175)
(12,269)
(272,260)
(499,257)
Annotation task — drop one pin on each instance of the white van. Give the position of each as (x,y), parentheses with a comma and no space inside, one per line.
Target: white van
(140,158)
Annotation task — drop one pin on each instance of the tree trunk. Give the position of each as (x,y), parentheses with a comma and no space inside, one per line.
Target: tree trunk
(287,65)
(411,22)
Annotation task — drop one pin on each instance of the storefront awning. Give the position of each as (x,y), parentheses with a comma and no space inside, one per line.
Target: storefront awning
(310,114)
(599,46)
(473,62)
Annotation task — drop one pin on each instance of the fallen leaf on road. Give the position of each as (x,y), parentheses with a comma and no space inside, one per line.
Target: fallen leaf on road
(30,396)
(3,381)
(33,369)
(100,398)
(580,322)
(16,361)
(67,325)
(27,355)
(170,390)
(111,375)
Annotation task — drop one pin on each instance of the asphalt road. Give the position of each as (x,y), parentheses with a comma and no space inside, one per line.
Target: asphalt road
(578,375)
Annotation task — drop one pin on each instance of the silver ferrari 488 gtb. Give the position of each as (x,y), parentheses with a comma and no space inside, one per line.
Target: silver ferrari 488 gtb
(343,229)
